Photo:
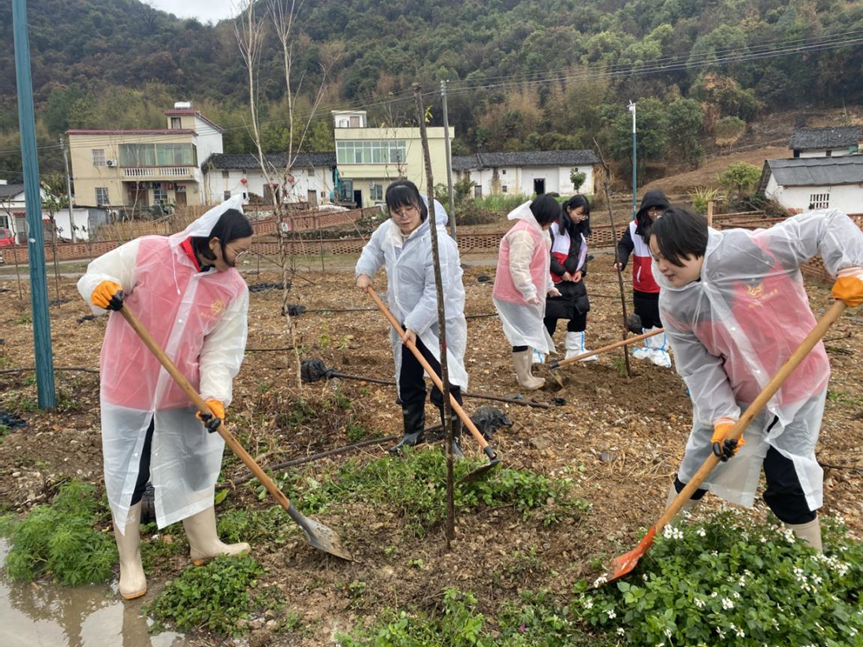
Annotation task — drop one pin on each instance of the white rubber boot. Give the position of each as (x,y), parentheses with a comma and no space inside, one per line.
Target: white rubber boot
(574,345)
(658,350)
(521,361)
(133,582)
(204,540)
(642,352)
(809,532)
(672,494)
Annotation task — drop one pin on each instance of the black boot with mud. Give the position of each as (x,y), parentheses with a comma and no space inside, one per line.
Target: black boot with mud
(457,427)
(414,420)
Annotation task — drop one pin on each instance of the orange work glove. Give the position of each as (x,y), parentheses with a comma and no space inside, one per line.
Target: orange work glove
(108,295)
(212,422)
(849,286)
(725,449)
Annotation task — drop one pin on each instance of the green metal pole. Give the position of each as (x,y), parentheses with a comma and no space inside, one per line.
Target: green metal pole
(35,240)
(634,162)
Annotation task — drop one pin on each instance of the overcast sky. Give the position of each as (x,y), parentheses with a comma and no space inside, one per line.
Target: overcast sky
(203,10)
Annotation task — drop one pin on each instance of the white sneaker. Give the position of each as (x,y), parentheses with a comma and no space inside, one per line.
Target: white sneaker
(574,345)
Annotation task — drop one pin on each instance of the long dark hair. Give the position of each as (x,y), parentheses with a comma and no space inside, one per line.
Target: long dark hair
(232,225)
(545,209)
(404,193)
(575,229)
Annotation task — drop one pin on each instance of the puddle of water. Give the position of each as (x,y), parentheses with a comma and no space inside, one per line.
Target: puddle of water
(49,615)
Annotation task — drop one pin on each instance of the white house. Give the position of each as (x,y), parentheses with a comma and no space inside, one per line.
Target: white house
(309,180)
(13,208)
(527,172)
(815,183)
(826,142)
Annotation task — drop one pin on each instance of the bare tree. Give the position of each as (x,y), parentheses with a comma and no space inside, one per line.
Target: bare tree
(250,32)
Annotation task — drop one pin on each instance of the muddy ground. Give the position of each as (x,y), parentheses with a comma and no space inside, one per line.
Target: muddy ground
(619,439)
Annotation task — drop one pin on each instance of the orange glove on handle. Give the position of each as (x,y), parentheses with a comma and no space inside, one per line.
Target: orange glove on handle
(725,449)
(108,295)
(849,286)
(212,422)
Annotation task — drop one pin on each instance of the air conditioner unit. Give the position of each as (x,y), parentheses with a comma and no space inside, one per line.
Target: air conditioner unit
(110,162)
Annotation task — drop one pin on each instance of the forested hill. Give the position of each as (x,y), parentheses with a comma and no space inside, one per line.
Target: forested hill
(119,62)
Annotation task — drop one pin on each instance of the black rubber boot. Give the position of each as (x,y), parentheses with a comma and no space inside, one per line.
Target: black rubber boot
(413,416)
(457,426)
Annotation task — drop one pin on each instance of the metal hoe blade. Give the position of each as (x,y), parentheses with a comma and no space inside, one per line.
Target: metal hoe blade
(319,535)
(626,563)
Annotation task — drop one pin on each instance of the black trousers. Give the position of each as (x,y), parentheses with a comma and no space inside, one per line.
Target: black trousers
(783,494)
(144,465)
(647,308)
(577,324)
(412,386)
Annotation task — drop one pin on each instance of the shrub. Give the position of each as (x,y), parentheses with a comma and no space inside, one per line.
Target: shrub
(740,180)
(214,597)
(733,581)
(700,199)
(60,541)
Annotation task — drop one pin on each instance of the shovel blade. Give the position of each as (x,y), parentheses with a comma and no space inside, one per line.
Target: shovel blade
(319,535)
(480,472)
(626,563)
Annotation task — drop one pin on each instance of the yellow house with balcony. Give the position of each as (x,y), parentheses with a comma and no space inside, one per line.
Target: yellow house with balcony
(369,159)
(135,169)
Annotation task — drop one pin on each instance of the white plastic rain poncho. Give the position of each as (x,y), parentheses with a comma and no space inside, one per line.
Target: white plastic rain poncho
(523,272)
(200,319)
(733,330)
(411,292)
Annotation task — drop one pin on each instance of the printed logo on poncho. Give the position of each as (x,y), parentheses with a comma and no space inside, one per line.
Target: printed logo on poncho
(758,293)
(217,307)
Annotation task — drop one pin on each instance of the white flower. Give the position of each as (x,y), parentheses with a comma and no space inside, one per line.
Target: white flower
(620,631)
(699,603)
(588,603)
(727,604)
(740,633)
(720,632)
(714,594)
(701,532)
(611,614)
(735,595)
(670,532)
(599,581)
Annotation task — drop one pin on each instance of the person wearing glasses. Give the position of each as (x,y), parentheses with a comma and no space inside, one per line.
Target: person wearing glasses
(188,294)
(402,244)
(645,289)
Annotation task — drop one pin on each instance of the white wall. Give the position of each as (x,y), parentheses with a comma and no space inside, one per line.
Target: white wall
(836,152)
(519,180)
(845,197)
(208,141)
(305,180)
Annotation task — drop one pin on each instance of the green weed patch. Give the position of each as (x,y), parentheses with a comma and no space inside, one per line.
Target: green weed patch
(414,485)
(732,581)
(60,540)
(214,597)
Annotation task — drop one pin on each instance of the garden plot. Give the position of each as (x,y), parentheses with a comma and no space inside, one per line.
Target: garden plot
(580,481)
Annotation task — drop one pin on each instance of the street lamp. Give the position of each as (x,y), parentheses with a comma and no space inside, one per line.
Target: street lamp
(631,108)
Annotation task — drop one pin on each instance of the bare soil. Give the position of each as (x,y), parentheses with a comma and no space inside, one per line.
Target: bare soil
(618,438)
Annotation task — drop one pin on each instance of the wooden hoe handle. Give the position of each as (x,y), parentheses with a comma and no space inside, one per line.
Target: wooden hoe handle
(617,344)
(428,369)
(199,402)
(754,409)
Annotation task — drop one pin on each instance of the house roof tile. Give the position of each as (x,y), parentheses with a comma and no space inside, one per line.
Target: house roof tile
(816,138)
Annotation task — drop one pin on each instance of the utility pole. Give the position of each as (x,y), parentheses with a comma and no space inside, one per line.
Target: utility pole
(35,239)
(68,188)
(631,107)
(448,161)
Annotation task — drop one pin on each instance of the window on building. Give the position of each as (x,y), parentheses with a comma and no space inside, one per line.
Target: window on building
(503,189)
(176,123)
(157,155)
(226,175)
(477,191)
(371,152)
(98,157)
(355,121)
(4,222)
(160,193)
(376,192)
(503,172)
(829,153)
(819,200)
(102,195)
(227,195)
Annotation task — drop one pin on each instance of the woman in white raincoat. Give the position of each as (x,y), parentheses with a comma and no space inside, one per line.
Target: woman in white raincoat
(188,294)
(403,245)
(735,309)
(523,281)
